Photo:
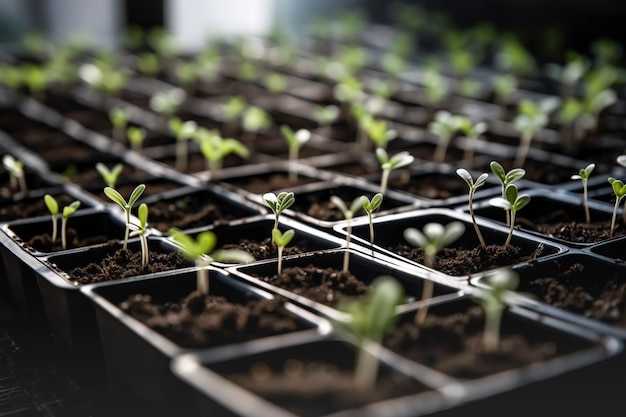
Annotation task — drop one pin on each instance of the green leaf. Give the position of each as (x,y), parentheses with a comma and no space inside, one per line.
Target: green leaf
(510,193)
(415,237)
(466,176)
(498,170)
(514,175)
(114,195)
(142,214)
(500,202)
(232,256)
(622,160)
(522,201)
(372,205)
(134,196)
(51,204)
(480,181)
(194,249)
(71,209)
(282,239)
(382,156)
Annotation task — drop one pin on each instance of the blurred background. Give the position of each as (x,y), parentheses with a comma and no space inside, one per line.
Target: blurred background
(576,22)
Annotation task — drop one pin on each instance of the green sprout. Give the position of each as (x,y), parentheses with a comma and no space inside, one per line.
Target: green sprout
(394,64)
(109,176)
(399,160)
(119,120)
(167,102)
(279,203)
(295,140)
(498,283)
(148,63)
(378,132)
(432,239)
(281,240)
(583,175)
(247,71)
(103,78)
(369,319)
(136,136)
(35,78)
(514,58)
(200,250)
(532,117)
(512,203)
(370,206)
(15,168)
(215,149)
(53,208)
(445,125)
(570,74)
(233,110)
(472,132)
(254,120)
(436,88)
(183,132)
(161,41)
(473,186)
(186,73)
(127,206)
(506,178)
(141,231)
(326,116)
(348,214)
(503,85)
(619,189)
(606,52)
(581,115)
(276,83)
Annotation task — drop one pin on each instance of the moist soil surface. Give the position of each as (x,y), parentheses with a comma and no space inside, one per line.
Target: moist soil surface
(125,263)
(459,261)
(264,249)
(262,184)
(44,243)
(30,207)
(453,344)
(571,231)
(199,321)
(184,213)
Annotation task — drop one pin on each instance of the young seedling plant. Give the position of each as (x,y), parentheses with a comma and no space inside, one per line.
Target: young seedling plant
(583,175)
(136,136)
(215,149)
(279,203)
(444,126)
(472,132)
(15,168)
(379,133)
(619,189)
(142,231)
(119,120)
(200,250)
(281,240)
(369,319)
(432,239)
(109,176)
(183,132)
(532,117)
(473,186)
(370,206)
(325,116)
(506,178)
(492,300)
(512,203)
(127,206)
(348,214)
(295,141)
(53,208)
(399,160)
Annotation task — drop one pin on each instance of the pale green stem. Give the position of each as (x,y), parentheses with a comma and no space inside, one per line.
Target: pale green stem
(202,279)
(522,149)
(293,157)
(617,202)
(508,239)
(280,260)
(63,233)
(427,289)
(471,210)
(384,180)
(181,155)
(346,255)
(491,334)
(22,181)
(507,214)
(586,202)
(144,252)
(442,149)
(127,231)
(367,365)
(54,229)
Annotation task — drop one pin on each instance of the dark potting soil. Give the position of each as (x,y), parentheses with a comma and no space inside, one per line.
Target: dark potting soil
(604,300)
(453,344)
(431,186)
(313,388)
(126,263)
(264,249)
(184,213)
(30,207)
(44,243)
(262,184)
(202,321)
(571,231)
(323,285)
(458,261)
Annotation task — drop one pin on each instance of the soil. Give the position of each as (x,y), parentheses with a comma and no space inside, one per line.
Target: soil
(199,321)
(264,183)
(264,249)
(125,263)
(452,344)
(572,289)
(31,207)
(43,242)
(431,186)
(183,213)
(459,261)
(323,285)
(571,231)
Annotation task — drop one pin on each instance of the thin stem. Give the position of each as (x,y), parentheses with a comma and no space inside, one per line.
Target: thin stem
(54,229)
(491,334)
(346,255)
(508,239)
(468,154)
(293,157)
(202,279)
(366,365)
(442,149)
(384,180)
(181,155)
(63,233)
(144,252)
(522,150)
(586,203)
(280,260)
(427,293)
(507,213)
(471,210)
(369,216)
(127,231)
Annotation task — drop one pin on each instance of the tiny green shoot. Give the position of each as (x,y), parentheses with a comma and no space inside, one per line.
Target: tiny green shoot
(619,189)
(445,125)
(583,175)
(279,203)
(281,240)
(399,160)
(109,176)
(214,148)
(166,103)
(492,299)
(136,136)
(503,85)
(379,133)
(432,239)
(325,117)
(295,140)
(53,208)
(233,109)
(348,214)
(119,120)
(183,132)
(506,178)
(17,179)
(254,120)
(512,202)
(473,186)
(141,231)
(369,319)
(276,83)
(370,206)
(127,206)
(472,132)
(531,118)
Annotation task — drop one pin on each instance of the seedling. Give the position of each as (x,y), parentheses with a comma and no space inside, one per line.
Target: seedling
(166,103)
(276,83)
(141,231)
(186,72)
(233,109)
(127,206)
(279,203)
(436,88)
(532,117)
(17,179)
(369,319)
(472,132)
(506,178)
(514,58)
(387,164)
(119,120)
(444,126)
(570,74)
(183,132)
(295,140)
(215,149)
(254,120)
(281,240)
(348,214)
(136,136)
(148,63)
(35,78)
(103,78)
(378,132)
(370,206)
(200,250)
(433,238)
(504,85)
(53,208)
(473,186)
(492,300)
(583,175)
(619,189)
(109,176)
(512,203)
(325,116)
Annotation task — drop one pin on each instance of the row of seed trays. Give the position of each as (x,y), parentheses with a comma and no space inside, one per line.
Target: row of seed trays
(364,221)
